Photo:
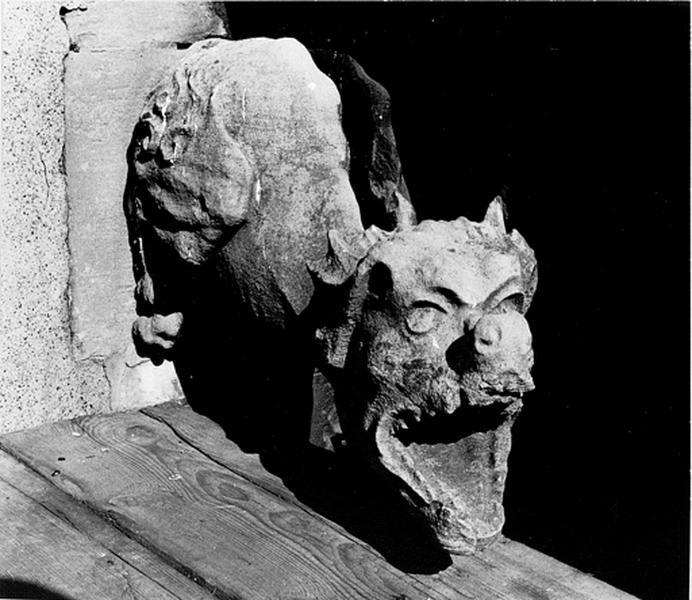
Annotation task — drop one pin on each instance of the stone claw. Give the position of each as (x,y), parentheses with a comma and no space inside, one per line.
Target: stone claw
(155,336)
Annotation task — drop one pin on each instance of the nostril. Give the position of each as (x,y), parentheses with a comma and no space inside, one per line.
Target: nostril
(490,336)
(487,337)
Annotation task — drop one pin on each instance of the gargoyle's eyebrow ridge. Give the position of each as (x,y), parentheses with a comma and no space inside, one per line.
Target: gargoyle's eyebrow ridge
(450,295)
(513,283)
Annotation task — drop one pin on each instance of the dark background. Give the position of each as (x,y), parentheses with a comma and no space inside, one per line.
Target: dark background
(579,115)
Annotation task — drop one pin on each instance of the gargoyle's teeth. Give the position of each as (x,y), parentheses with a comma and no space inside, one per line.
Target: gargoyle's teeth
(503,393)
(438,458)
(407,420)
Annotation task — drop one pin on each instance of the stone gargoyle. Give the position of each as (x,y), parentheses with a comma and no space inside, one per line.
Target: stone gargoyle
(240,175)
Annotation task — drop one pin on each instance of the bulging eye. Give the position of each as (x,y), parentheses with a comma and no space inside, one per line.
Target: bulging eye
(515,302)
(423,317)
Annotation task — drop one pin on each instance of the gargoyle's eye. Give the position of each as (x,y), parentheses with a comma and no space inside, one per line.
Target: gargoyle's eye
(423,316)
(515,302)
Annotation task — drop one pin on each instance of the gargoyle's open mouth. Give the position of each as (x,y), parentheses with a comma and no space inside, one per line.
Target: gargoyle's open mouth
(412,427)
(453,466)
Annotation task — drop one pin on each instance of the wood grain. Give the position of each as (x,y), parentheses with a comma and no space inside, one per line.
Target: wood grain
(93,526)
(507,570)
(233,536)
(39,547)
(184,496)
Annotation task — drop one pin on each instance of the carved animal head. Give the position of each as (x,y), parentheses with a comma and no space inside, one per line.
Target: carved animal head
(431,362)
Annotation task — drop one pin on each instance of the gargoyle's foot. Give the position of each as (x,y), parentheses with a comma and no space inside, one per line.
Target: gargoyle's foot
(452,467)
(155,336)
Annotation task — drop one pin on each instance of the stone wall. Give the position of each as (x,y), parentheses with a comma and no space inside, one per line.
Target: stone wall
(74,77)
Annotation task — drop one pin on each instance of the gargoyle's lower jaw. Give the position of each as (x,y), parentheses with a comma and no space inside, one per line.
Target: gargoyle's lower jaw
(452,468)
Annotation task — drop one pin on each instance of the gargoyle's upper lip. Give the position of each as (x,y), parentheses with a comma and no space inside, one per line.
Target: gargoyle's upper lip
(416,425)
(487,394)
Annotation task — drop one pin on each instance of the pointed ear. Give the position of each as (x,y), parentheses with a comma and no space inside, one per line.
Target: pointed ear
(340,261)
(342,258)
(344,304)
(495,215)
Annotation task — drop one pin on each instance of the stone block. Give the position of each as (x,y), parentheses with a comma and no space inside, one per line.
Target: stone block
(101,25)
(119,50)
(72,81)
(39,379)
(104,93)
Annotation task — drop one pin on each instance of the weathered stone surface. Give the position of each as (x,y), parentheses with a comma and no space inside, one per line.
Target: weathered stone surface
(430,362)
(244,137)
(118,52)
(73,78)
(136,382)
(253,267)
(39,378)
(103,26)
(96,166)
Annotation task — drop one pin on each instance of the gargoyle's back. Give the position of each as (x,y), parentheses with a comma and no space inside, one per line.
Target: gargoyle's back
(239,157)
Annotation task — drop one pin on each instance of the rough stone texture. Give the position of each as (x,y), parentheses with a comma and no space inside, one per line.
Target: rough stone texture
(68,101)
(119,50)
(39,378)
(104,26)
(253,267)
(430,362)
(243,137)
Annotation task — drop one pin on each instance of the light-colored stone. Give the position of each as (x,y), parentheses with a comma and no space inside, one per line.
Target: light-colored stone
(136,382)
(105,92)
(107,25)
(73,77)
(268,154)
(39,378)
(119,50)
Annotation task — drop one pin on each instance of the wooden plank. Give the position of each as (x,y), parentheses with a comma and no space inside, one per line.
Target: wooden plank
(507,570)
(39,548)
(210,439)
(203,518)
(90,524)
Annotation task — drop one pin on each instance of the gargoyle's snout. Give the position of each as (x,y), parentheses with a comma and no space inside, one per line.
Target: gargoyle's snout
(502,352)
(504,333)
